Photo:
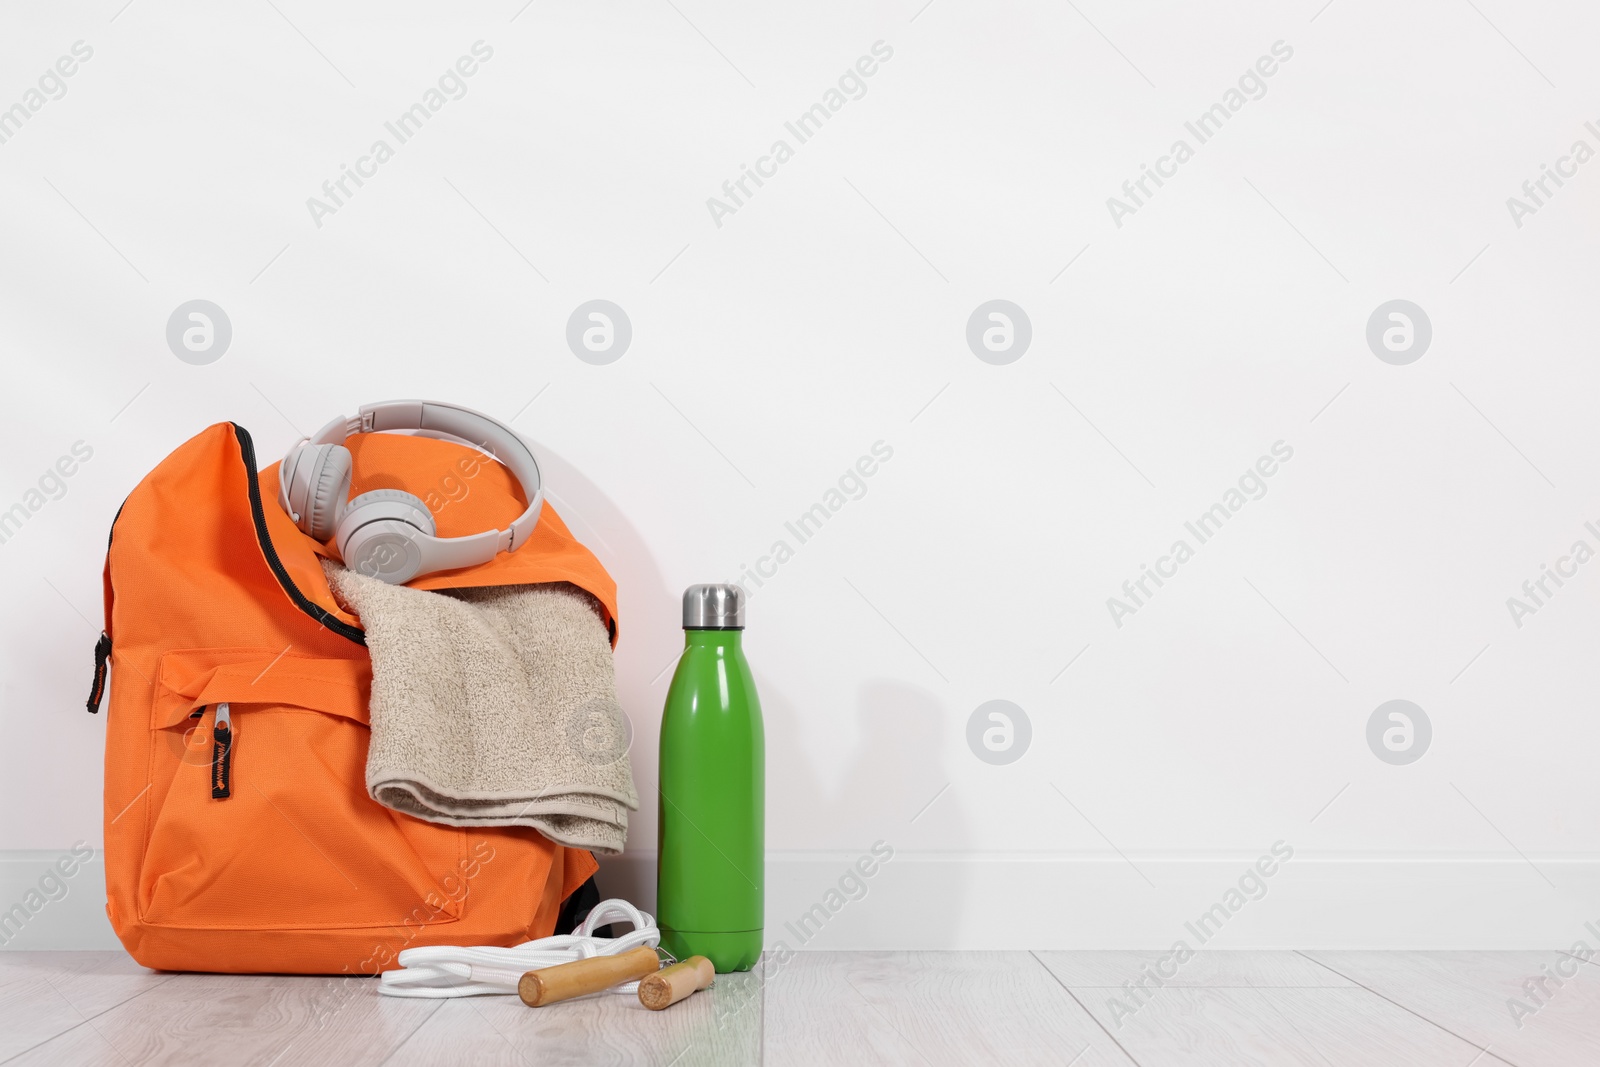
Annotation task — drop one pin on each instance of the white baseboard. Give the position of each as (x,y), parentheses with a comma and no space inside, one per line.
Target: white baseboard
(1023,901)
(76,919)
(1020,901)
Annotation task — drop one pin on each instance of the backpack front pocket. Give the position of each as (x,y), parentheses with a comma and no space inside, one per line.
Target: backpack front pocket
(262,818)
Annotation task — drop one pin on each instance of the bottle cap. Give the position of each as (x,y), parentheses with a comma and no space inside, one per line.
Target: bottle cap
(713,607)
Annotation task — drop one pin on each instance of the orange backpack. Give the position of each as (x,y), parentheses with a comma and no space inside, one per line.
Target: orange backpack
(267,854)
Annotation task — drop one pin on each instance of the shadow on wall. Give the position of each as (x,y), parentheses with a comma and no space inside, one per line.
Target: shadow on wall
(883,793)
(815,837)
(649,633)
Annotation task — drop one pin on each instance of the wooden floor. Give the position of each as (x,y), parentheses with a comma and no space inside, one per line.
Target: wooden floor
(1281,1009)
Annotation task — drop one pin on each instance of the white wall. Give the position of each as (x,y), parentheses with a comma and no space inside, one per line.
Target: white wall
(828,313)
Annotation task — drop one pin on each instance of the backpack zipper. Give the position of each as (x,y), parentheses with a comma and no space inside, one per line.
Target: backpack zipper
(102,658)
(247,452)
(222,753)
(102,647)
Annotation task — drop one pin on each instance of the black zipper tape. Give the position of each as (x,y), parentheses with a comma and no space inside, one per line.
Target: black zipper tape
(247,450)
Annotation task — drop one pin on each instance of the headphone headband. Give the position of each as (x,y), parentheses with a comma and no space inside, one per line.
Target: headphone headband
(469,428)
(316,474)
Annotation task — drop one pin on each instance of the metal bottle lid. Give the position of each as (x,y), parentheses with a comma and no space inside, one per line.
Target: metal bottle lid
(713,607)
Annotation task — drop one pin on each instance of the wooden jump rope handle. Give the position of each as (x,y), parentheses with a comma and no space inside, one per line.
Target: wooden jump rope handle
(670,985)
(566,980)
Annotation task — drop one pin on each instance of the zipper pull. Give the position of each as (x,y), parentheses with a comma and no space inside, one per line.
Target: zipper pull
(102,653)
(222,754)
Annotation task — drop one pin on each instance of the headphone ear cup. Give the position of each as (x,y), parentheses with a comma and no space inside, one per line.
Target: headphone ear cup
(321,485)
(286,472)
(299,476)
(378,535)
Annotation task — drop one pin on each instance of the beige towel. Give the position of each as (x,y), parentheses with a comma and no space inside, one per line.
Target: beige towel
(495,706)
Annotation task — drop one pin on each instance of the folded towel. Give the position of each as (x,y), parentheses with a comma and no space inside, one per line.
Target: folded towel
(495,706)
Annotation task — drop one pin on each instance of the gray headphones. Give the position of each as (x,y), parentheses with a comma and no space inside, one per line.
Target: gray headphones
(389,534)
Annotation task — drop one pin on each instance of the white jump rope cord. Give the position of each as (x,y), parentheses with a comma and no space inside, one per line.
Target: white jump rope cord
(438,971)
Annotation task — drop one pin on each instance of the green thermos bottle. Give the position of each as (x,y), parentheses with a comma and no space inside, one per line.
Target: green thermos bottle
(711,841)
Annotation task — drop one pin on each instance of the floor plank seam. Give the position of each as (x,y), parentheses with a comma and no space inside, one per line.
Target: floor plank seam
(467,1003)
(1085,1009)
(1179,985)
(85,1020)
(407,1039)
(1280,1013)
(903,1039)
(130,999)
(1482,1049)
(46,1041)
(108,1043)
